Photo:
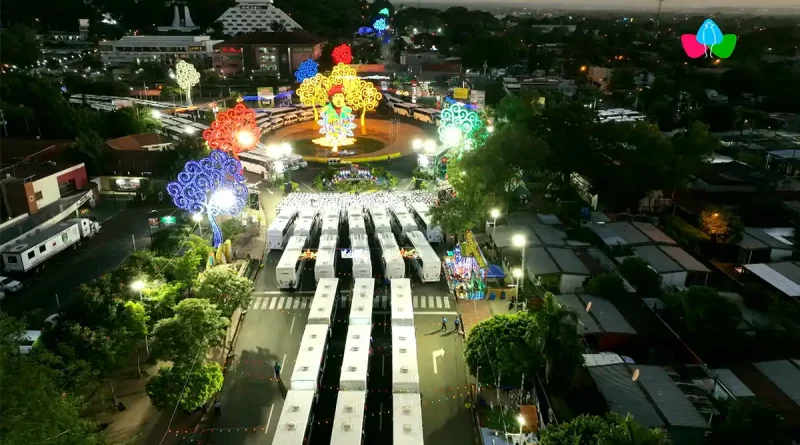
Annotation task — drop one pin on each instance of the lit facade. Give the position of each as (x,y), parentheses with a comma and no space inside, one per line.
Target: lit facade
(273,53)
(254,15)
(162,49)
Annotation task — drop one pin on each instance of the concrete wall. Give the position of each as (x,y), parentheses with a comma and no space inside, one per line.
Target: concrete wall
(76,173)
(46,191)
(674,279)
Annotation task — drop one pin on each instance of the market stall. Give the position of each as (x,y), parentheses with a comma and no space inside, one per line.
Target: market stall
(466,270)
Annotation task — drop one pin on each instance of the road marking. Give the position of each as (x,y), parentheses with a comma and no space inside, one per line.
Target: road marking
(268,292)
(416,300)
(438,302)
(280,302)
(291,328)
(305,302)
(283,361)
(439,353)
(447,302)
(255,303)
(265,302)
(383,363)
(380,419)
(269,418)
(273,302)
(423,302)
(296,303)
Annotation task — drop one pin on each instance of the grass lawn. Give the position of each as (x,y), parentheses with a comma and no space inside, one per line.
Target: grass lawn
(363,145)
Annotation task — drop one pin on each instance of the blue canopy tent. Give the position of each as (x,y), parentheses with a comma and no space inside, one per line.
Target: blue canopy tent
(495,272)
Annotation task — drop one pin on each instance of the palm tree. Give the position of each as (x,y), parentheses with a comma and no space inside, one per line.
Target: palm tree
(557,338)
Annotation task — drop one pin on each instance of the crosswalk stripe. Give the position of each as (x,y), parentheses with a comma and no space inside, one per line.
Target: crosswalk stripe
(280,302)
(256,301)
(423,302)
(273,302)
(447,302)
(296,303)
(438,302)
(416,300)
(263,302)
(304,303)
(430,301)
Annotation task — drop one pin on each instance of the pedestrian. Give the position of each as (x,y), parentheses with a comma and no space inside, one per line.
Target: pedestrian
(277,369)
(217,408)
(456,323)
(444,324)
(291,287)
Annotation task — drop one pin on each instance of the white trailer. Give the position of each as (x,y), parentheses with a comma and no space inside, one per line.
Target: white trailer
(30,253)
(325,266)
(356,224)
(290,269)
(362,264)
(297,243)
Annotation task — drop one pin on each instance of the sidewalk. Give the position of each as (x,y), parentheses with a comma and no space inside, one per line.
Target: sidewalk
(141,422)
(475,311)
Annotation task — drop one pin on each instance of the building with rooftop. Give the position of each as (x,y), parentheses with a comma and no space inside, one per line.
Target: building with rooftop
(673,265)
(783,276)
(275,53)
(602,325)
(557,268)
(28,187)
(254,15)
(775,382)
(161,49)
(762,245)
(629,233)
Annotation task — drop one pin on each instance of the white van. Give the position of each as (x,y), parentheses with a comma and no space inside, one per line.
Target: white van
(9,284)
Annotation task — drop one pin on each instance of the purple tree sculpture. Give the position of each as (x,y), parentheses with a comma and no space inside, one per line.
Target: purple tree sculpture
(214,186)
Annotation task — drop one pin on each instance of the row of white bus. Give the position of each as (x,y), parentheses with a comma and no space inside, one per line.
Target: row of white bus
(407,405)
(402,108)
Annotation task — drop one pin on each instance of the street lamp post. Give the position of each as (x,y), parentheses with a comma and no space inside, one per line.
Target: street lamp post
(494,213)
(138,286)
(198,217)
(519,241)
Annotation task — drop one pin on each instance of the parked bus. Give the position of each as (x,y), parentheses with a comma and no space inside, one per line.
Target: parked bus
(356,224)
(355,364)
(306,227)
(328,242)
(361,306)
(405,369)
(427,264)
(310,363)
(297,243)
(281,229)
(428,115)
(402,222)
(325,266)
(290,269)
(379,220)
(407,419)
(348,423)
(393,264)
(422,216)
(403,108)
(362,263)
(331,221)
(402,305)
(296,419)
(323,307)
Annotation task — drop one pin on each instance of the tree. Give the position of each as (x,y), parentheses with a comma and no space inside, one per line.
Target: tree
(497,349)
(90,149)
(606,285)
(747,421)
(19,46)
(35,409)
(626,431)
(230,228)
(161,300)
(187,149)
(704,310)
(721,225)
(189,387)
(594,430)
(622,78)
(167,242)
(640,275)
(196,326)
(224,287)
(129,120)
(558,342)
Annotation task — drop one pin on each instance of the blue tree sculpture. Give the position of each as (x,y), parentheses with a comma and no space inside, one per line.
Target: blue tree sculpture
(213,185)
(307,69)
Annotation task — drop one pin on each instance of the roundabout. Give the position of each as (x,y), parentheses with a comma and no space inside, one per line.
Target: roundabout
(382,139)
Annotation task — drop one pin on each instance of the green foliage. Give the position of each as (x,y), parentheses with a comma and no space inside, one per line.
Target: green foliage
(19,46)
(606,285)
(162,299)
(171,162)
(721,225)
(190,387)
(168,241)
(622,79)
(641,276)
(224,287)
(702,310)
(747,421)
(611,430)
(230,228)
(683,229)
(757,297)
(558,342)
(35,408)
(89,148)
(196,326)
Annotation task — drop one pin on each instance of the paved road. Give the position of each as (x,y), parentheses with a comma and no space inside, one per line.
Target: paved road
(64,273)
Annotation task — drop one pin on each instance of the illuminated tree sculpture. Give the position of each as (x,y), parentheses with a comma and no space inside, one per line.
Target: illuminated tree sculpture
(307,69)
(362,95)
(187,77)
(234,131)
(456,124)
(342,54)
(314,93)
(212,186)
(379,26)
(384,11)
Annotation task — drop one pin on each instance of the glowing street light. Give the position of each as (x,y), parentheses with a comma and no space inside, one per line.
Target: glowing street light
(451,136)
(520,241)
(197,217)
(494,213)
(429,146)
(156,114)
(416,144)
(223,199)
(245,138)
(490,129)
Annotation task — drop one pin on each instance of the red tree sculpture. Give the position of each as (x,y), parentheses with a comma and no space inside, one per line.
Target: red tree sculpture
(234,131)
(342,54)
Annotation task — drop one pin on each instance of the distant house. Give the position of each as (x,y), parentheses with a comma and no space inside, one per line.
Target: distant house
(136,154)
(603,324)
(765,245)
(775,382)
(560,268)
(783,276)
(673,265)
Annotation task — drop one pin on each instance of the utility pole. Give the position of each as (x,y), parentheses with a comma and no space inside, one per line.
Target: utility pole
(658,16)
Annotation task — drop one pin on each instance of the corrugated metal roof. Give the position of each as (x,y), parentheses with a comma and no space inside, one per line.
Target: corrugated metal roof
(609,236)
(686,261)
(624,396)
(568,261)
(538,262)
(750,243)
(669,399)
(629,233)
(587,325)
(766,238)
(502,235)
(654,233)
(768,273)
(607,315)
(657,259)
(785,375)
(550,236)
(732,383)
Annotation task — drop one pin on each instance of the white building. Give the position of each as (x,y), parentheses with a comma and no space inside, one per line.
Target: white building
(164,49)
(254,15)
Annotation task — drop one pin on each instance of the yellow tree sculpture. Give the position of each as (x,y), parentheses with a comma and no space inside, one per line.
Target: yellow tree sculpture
(362,95)
(313,92)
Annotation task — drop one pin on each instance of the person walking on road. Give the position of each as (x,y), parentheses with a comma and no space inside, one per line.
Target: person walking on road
(217,408)
(456,324)
(291,288)
(444,324)
(277,369)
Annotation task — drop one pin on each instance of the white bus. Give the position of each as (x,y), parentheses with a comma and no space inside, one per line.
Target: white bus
(402,306)
(323,307)
(393,264)
(331,221)
(308,212)
(290,269)
(361,307)
(359,241)
(402,223)
(305,227)
(296,420)
(348,424)
(258,164)
(281,229)
(381,224)
(355,364)
(362,263)
(310,363)
(405,369)
(407,420)
(325,266)
(328,242)
(422,215)
(427,265)
(428,115)
(356,224)
(297,243)
(403,108)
